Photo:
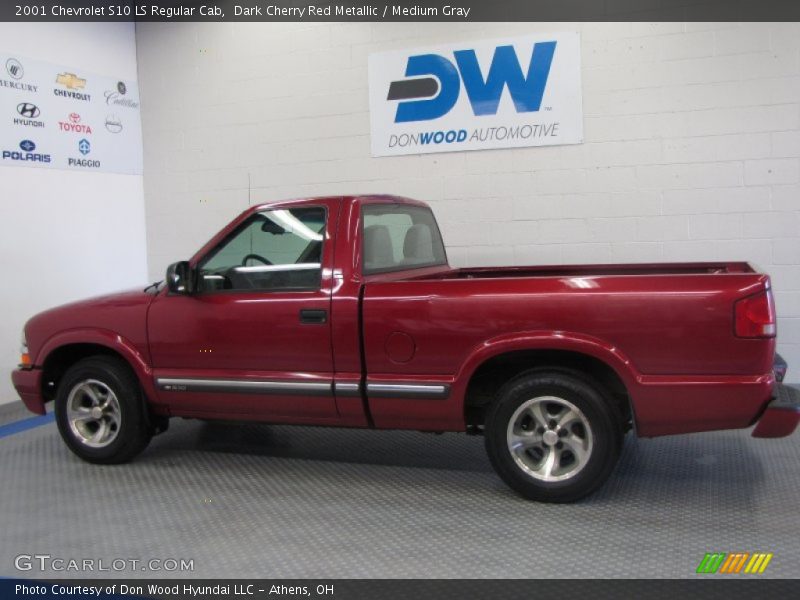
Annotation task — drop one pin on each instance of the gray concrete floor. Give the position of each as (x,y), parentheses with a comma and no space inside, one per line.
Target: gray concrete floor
(275,501)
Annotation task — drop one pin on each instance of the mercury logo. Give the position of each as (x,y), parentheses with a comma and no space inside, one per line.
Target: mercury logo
(14,68)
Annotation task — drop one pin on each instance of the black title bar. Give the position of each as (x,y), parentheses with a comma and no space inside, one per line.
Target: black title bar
(401,10)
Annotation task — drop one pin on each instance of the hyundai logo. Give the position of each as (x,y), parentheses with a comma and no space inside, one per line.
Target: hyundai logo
(27,146)
(14,68)
(28,110)
(84,146)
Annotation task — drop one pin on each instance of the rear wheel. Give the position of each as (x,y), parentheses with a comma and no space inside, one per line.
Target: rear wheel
(100,411)
(552,436)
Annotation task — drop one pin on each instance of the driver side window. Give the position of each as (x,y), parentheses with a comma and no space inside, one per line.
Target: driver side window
(273,250)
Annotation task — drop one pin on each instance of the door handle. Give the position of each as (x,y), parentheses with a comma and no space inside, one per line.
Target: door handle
(315,316)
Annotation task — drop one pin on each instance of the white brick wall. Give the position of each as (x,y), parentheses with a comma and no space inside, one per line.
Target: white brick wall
(692,144)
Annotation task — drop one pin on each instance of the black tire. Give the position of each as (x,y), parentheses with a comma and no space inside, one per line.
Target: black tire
(128,433)
(594,430)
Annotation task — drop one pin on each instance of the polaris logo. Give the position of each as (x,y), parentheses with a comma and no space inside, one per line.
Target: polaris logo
(439,80)
(27,154)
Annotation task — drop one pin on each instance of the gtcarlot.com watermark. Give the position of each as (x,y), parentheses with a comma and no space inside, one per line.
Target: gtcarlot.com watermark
(47,562)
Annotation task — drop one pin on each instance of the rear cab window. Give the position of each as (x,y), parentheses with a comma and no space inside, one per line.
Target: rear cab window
(398,237)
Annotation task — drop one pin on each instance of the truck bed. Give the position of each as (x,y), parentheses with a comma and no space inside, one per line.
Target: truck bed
(669,326)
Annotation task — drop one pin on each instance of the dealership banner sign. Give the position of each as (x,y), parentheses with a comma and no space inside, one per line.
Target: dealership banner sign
(59,117)
(505,93)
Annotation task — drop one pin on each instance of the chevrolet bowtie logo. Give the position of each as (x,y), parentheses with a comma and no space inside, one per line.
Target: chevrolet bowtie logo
(71,81)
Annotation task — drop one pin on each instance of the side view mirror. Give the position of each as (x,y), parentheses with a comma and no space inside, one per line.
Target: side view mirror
(181,278)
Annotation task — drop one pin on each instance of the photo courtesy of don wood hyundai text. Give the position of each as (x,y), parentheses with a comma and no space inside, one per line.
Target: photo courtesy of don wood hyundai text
(504,93)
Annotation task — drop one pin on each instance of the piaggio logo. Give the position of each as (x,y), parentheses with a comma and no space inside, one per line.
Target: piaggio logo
(84,147)
(734,563)
(438,80)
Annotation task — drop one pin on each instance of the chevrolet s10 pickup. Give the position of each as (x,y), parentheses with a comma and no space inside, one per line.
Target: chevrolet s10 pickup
(343,311)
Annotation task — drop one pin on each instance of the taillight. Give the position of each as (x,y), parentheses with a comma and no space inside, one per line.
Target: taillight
(755,316)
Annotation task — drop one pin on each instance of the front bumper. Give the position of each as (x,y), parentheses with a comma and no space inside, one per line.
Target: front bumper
(782,414)
(28,383)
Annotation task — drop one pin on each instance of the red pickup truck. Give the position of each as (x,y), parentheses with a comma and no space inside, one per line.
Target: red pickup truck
(343,311)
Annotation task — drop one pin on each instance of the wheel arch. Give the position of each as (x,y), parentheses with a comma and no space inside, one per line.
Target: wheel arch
(499,360)
(62,351)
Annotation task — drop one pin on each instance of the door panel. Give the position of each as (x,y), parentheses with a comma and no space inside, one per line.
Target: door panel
(256,340)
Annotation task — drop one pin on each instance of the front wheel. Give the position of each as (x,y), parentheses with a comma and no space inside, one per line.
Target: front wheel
(100,411)
(552,436)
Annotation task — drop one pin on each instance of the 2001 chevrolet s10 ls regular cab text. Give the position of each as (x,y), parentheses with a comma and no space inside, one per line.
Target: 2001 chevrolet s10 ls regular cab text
(343,311)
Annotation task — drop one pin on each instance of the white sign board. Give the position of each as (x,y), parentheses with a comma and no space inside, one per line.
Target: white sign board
(59,117)
(505,93)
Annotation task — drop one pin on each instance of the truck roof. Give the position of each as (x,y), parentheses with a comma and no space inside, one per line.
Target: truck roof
(349,199)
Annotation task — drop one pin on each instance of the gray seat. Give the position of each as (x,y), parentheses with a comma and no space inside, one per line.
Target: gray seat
(418,245)
(378,251)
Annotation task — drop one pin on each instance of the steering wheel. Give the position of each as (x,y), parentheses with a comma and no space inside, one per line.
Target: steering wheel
(257,257)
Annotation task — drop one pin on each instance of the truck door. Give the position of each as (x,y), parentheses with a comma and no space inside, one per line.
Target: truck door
(255,340)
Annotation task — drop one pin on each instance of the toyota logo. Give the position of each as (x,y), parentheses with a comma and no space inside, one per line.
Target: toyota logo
(28,110)
(74,118)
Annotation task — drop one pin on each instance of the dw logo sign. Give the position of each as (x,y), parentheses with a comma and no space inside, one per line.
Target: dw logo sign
(484,93)
(494,94)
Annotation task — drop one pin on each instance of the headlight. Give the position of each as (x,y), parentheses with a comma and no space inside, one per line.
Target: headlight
(25,358)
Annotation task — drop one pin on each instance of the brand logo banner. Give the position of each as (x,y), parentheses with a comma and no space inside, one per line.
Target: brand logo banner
(52,116)
(506,93)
